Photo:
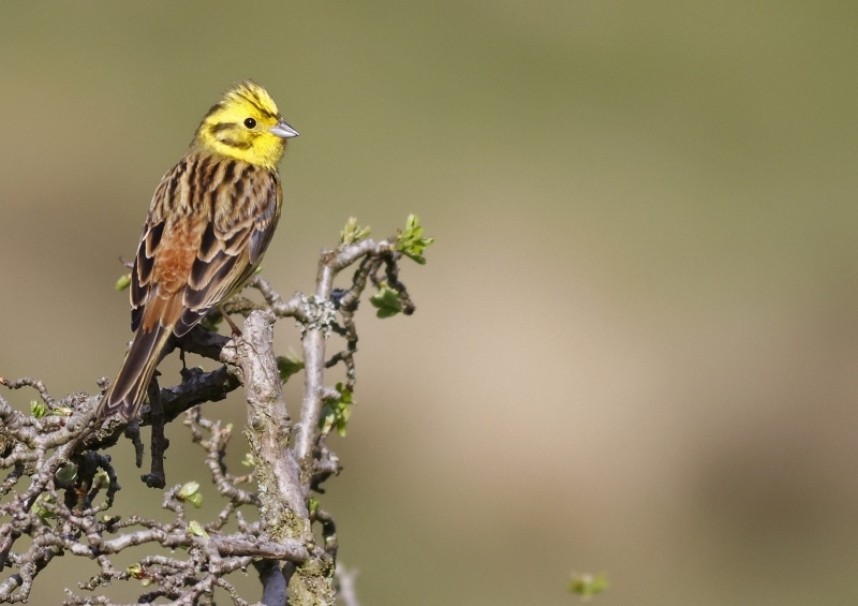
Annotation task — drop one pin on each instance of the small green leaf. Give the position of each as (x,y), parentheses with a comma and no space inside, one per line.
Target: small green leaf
(100,480)
(288,365)
(352,232)
(197,529)
(135,571)
(248,461)
(410,242)
(386,300)
(586,584)
(66,473)
(336,411)
(313,505)
(190,493)
(42,507)
(38,409)
(187,489)
(123,282)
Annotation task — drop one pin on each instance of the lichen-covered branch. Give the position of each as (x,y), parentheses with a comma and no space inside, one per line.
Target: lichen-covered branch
(58,486)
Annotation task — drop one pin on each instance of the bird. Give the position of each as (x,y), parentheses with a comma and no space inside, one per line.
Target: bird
(210,220)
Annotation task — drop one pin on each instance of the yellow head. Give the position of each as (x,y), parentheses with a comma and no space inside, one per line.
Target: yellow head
(245,125)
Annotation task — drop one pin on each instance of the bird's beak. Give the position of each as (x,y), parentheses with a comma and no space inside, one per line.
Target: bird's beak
(281,129)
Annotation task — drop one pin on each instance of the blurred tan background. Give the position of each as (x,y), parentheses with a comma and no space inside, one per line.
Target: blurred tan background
(636,342)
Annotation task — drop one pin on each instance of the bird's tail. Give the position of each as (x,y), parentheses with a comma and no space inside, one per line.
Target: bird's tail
(128,391)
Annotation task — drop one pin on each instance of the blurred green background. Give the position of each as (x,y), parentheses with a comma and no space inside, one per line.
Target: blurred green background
(636,342)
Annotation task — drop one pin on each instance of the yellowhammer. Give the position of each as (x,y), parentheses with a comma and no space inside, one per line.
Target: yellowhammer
(209,223)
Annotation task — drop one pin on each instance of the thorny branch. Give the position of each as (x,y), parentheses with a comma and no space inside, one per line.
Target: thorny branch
(59,487)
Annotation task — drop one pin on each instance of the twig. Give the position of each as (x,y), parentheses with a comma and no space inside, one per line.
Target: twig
(58,489)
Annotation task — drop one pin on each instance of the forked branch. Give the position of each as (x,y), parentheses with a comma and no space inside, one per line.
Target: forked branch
(59,487)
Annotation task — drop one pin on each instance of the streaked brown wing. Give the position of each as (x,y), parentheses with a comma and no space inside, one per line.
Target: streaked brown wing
(245,213)
(222,214)
(150,240)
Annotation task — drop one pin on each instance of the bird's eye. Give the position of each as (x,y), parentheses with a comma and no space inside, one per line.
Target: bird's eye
(249,122)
